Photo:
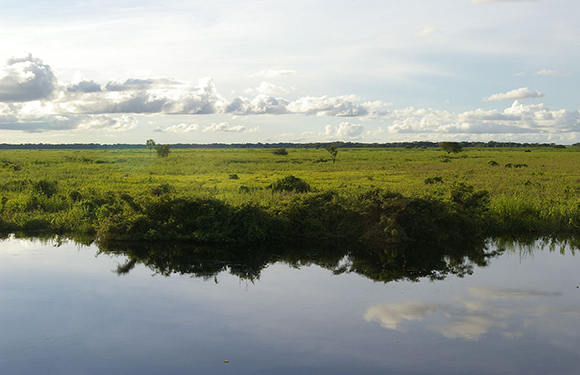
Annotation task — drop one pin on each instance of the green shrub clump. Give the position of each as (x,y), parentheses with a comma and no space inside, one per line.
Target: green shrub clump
(290,183)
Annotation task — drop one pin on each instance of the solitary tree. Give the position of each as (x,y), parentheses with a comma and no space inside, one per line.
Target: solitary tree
(150,145)
(333,151)
(451,147)
(162,150)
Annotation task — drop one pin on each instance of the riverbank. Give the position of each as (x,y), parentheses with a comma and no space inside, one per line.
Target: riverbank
(250,196)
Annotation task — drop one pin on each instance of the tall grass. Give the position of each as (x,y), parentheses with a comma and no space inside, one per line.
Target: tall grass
(85,191)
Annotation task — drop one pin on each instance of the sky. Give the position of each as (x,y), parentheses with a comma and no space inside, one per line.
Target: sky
(248,71)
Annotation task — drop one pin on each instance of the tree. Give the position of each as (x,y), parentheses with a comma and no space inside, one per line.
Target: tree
(150,145)
(162,150)
(280,151)
(333,151)
(451,147)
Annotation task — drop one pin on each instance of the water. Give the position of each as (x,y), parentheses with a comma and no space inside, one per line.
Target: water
(73,309)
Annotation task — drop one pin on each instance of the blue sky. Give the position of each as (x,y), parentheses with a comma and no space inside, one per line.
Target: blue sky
(278,71)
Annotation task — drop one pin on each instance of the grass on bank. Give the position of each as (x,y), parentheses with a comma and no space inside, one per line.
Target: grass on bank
(95,191)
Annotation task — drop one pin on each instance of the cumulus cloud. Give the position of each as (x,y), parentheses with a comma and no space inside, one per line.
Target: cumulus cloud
(261,104)
(518,118)
(517,94)
(267,88)
(339,106)
(32,100)
(392,315)
(179,128)
(273,73)
(128,98)
(548,72)
(134,84)
(344,130)
(84,87)
(470,318)
(35,124)
(215,127)
(26,79)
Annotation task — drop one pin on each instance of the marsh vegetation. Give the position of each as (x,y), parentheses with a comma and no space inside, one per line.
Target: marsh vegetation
(379,196)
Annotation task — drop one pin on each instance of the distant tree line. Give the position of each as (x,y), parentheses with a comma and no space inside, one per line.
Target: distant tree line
(321,145)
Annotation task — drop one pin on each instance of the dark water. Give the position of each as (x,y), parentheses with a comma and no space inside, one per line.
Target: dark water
(72,309)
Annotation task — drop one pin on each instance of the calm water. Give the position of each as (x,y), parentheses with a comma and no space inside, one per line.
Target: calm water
(71,309)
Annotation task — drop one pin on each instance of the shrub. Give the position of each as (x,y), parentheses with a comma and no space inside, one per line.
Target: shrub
(45,187)
(451,147)
(432,180)
(162,150)
(290,183)
(280,151)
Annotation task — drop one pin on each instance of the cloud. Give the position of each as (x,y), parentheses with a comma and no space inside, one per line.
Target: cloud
(135,84)
(130,97)
(179,128)
(428,31)
(518,118)
(215,127)
(261,104)
(26,79)
(267,88)
(392,315)
(84,87)
(471,318)
(548,72)
(32,124)
(517,94)
(344,130)
(273,73)
(339,106)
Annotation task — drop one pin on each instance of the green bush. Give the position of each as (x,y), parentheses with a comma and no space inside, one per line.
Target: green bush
(290,183)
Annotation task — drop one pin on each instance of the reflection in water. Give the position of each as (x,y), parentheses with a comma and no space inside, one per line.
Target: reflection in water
(64,312)
(379,264)
(470,317)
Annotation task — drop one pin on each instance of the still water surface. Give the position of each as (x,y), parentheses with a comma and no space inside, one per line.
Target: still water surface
(72,309)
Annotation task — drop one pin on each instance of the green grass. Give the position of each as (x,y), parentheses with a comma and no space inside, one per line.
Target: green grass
(74,191)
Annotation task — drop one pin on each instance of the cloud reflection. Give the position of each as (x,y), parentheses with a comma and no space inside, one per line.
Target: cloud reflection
(469,318)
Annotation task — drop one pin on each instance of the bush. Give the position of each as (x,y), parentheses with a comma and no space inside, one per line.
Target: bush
(280,151)
(45,187)
(290,183)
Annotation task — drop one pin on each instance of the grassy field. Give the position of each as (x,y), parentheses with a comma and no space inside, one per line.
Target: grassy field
(534,191)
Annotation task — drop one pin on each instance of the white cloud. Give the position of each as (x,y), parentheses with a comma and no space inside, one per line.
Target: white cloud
(26,79)
(36,124)
(467,319)
(428,31)
(392,315)
(261,104)
(339,106)
(548,72)
(344,130)
(267,88)
(273,73)
(179,128)
(214,127)
(518,118)
(517,94)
